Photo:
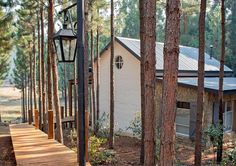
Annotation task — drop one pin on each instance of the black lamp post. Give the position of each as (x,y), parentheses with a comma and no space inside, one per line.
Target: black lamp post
(67,45)
(81,82)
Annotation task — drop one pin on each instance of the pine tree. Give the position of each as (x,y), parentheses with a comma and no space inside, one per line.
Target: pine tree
(171,58)
(148,77)
(201,74)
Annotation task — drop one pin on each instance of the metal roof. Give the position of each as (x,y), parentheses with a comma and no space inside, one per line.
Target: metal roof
(188,57)
(211,84)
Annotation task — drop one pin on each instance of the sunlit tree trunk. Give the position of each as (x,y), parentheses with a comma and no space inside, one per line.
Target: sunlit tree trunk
(221,79)
(59,134)
(93,86)
(50,53)
(98,80)
(34,71)
(201,73)
(148,77)
(171,58)
(31,86)
(43,68)
(39,73)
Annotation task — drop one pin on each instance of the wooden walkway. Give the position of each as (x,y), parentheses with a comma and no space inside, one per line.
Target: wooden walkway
(33,148)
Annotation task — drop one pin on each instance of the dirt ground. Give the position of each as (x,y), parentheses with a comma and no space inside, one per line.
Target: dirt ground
(7,156)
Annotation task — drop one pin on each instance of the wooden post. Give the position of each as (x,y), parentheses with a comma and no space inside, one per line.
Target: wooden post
(30,117)
(0,118)
(62,116)
(50,124)
(36,118)
(62,112)
(86,135)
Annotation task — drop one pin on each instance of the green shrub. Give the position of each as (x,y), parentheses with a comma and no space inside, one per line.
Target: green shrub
(214,132)
(135,126)
(103,126)
(99,155)
(230,157)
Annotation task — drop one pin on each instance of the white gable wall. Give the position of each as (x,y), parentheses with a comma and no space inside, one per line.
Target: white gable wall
(126,84)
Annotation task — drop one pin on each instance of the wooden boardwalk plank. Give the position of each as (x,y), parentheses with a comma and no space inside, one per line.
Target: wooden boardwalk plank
(33,148)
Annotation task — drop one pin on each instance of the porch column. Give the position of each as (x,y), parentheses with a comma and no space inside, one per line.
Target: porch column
(234,116)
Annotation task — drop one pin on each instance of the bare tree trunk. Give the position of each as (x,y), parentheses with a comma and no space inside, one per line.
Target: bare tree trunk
(75,93)
(34,73)
(93,86)
(221,80)
(50,52)
(142,85)
(111,134)
(26,96)
(39,73)
(148,76)
(43,68)
(201,74)
(98,81)
(23,102)
(59,134)
(171,58)
(31,87)
(86,66)
(65,89)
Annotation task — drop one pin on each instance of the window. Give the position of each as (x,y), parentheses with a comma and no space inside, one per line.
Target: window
(119,62)
(228,117)
(185,105)
(183,118)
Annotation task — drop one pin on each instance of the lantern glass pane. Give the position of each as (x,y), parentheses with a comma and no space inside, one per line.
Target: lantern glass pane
(58,50)
(69,46)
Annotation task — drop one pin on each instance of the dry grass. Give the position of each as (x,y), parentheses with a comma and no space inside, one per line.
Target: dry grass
(10,103)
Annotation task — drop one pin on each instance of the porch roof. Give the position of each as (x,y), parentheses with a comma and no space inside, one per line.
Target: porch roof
(211,84)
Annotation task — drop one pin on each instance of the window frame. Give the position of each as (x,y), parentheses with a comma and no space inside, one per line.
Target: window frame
(119,62)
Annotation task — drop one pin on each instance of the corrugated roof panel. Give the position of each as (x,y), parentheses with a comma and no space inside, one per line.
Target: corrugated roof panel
(211,83)
(188,57)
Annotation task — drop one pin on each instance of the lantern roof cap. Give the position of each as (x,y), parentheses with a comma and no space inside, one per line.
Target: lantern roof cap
(65,33)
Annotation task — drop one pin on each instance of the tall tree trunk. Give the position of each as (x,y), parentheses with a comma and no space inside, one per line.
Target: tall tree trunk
(59,134)
(43,67)
(111,134)
(171,58)
(39,73)
(29,99)
(75,92)
(50,53)
(93,86)
(86,66)
(141,9)
(30,86)
(201,74)
(34,72)
(148,76)
(26,96)
(221,79)
(65,89)
(98,80)
(23,102)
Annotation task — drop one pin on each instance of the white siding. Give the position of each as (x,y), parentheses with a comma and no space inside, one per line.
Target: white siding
(127,87)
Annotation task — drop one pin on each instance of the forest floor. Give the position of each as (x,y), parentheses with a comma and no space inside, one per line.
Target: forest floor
(7,156)
(127,153)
